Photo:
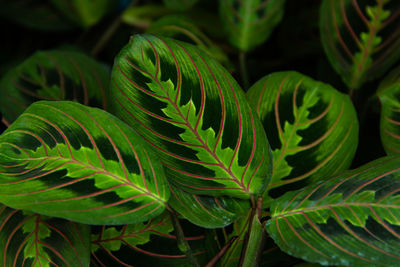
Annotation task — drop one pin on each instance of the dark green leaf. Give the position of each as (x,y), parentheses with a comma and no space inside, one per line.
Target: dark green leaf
(188,107)
(350,220)
(53,75)
(207,211)
(360,38)
(67,160)
(249,23)
(39,15)
(142,16)
(312,129)
(389,95)
(143,244)
(84,13)
(182,28)
(180,4)
(29,239)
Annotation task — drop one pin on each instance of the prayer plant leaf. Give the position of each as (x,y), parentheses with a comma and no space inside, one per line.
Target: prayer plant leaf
(191,110)
(144,244)
(84,13)
(53,75)
(389,95)
(29,239)
(207,211)
(349,220)
(312,129)
(249,23)
(67,160)
(360,38)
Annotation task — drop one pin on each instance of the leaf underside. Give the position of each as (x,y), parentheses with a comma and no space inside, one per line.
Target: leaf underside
(53,75)
(360,38)
(249,23)
(67,160)
(311,127)
(349,220)
(185,105)
(29,239)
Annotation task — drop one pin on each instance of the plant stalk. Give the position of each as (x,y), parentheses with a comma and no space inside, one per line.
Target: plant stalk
(243,70)
(110,31)
(221,253)
(183,245)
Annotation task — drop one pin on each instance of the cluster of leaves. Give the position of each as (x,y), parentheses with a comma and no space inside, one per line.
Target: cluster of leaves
(158,156)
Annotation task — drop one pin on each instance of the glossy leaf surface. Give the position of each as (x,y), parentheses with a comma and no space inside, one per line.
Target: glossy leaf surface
(207,211)
(84,13)
(143,244)
(189,108)
(389,95)
(53,75)
(360,38)
(350,220)
(67,160)
(29,239)
(312,129)
(249,23)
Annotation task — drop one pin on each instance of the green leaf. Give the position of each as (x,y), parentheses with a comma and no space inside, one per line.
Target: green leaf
(207,211)
(183,28)
(67,160)
(361,42)
(350,220)
(312,129)
(53,75)
(39,15)
(143,16)
(189,108)
(30,239)
(249,23)
(84,13)
(389,95)
(179,5)
(143,244)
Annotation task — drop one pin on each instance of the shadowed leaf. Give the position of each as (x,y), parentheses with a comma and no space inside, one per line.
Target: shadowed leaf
(29,239)
(53,75)
(360,38)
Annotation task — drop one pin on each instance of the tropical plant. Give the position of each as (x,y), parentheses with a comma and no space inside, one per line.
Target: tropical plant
(156,155)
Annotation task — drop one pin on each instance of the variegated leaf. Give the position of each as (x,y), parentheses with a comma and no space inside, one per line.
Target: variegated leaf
(29,239)
(312,129)
(349,220)
(189,108)
(143,244)
(389,96)
(360,38)
(207,211)
(67,160)
(249,23)
(53,75)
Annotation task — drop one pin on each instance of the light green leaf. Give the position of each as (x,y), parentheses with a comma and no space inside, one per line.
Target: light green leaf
(350,220)
(67,160)
(249,23)
(30,239)
(53,75)
(312,129)
(361,41)
(189,108)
